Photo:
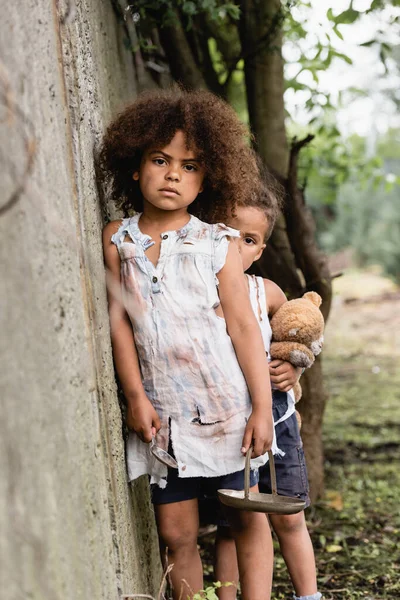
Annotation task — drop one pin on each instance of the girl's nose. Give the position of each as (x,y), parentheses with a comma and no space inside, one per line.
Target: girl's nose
(172,174)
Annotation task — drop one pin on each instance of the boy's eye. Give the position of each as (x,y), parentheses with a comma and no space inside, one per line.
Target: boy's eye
(248,241)
(159,161)
(190,168)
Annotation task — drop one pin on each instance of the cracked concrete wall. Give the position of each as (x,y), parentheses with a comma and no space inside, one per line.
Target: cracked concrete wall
(71,529)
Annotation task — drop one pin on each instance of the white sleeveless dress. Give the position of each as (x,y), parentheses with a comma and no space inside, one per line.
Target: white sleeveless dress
(188,363)
(259,304)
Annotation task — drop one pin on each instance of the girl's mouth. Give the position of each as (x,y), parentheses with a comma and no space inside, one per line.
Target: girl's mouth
(169,191)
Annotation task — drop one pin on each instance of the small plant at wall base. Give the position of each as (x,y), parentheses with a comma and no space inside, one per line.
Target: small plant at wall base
(209,593)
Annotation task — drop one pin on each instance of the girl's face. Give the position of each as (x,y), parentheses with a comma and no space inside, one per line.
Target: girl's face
(253,225)
(170,178)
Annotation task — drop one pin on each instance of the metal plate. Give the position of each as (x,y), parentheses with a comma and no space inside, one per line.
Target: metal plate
(272,504)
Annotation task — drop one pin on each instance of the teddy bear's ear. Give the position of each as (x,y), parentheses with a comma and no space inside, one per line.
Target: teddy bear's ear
(313,297)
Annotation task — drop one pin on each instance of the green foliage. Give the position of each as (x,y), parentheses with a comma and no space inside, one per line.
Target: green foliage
(367,220)
(315,60)
(163,12)
(330,161)
(325,46)
(389,146)
(347,17)
(355,198)
(210,592)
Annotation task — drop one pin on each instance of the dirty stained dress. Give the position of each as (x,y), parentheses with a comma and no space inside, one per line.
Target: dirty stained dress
(189,368)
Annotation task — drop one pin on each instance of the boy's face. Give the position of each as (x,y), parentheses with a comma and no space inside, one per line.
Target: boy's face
(252,224)
(170,178)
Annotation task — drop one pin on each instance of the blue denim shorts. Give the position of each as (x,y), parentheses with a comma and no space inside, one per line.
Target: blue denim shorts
(291,470)
(187,488)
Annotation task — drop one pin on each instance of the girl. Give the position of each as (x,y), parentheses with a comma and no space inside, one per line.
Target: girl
(192,379)
(255,221)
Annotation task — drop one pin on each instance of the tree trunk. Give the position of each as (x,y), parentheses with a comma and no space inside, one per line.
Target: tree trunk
(312,408)
(292,246)
(179,55)
(261,47)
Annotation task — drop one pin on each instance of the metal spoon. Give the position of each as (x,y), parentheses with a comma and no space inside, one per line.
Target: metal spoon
(163,456)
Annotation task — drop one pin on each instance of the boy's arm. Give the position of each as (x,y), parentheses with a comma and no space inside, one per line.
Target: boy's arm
(283,374)
(246,338)
(141,416)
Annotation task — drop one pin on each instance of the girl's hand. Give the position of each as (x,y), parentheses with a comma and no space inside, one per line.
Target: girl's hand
(283,374)
(259,433)
(143,419)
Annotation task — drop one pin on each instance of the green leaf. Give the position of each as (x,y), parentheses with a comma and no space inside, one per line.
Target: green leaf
(347,16)
(343,57)
(336,30)
(369,43)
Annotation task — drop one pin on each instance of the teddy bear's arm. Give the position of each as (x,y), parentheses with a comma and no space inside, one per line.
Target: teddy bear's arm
(297,354)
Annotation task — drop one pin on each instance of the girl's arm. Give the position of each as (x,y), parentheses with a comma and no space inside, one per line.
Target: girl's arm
(141,416)
(283,374)
(246,337)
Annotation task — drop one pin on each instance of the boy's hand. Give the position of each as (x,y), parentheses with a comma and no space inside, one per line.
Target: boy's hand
(283,374)
(259,432)
(142,417)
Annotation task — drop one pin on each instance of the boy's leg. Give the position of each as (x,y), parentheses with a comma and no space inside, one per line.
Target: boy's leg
(297,550)
(254,550)
(292,480)
(178,525)
(225,564)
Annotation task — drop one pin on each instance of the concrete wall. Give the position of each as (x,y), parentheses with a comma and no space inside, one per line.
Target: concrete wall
(70,527)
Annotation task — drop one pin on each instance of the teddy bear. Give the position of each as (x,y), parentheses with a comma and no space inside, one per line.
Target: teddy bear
(298,333)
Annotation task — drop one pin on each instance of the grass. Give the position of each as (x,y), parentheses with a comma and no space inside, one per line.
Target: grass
(355,527)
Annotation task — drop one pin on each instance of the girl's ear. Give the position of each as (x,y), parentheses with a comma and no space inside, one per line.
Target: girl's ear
(260,252)
(135,175)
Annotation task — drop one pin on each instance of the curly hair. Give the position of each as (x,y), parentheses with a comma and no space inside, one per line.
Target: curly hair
(211,128)
(269,200)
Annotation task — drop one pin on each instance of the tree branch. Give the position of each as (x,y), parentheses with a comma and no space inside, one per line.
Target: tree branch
(301,231)
(259,45)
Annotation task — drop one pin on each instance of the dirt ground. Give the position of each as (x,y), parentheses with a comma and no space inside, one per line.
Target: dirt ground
(355,527)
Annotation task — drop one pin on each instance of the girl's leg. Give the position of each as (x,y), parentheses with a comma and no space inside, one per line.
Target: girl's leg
(296,547)
(178,526)
(225,565)
(255,553)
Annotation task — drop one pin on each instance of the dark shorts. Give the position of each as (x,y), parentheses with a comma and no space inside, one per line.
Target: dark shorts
(187,488)
(291,470)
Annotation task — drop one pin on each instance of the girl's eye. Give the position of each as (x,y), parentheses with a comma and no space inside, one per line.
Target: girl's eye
(248,241)
(159,161)
(190,168)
